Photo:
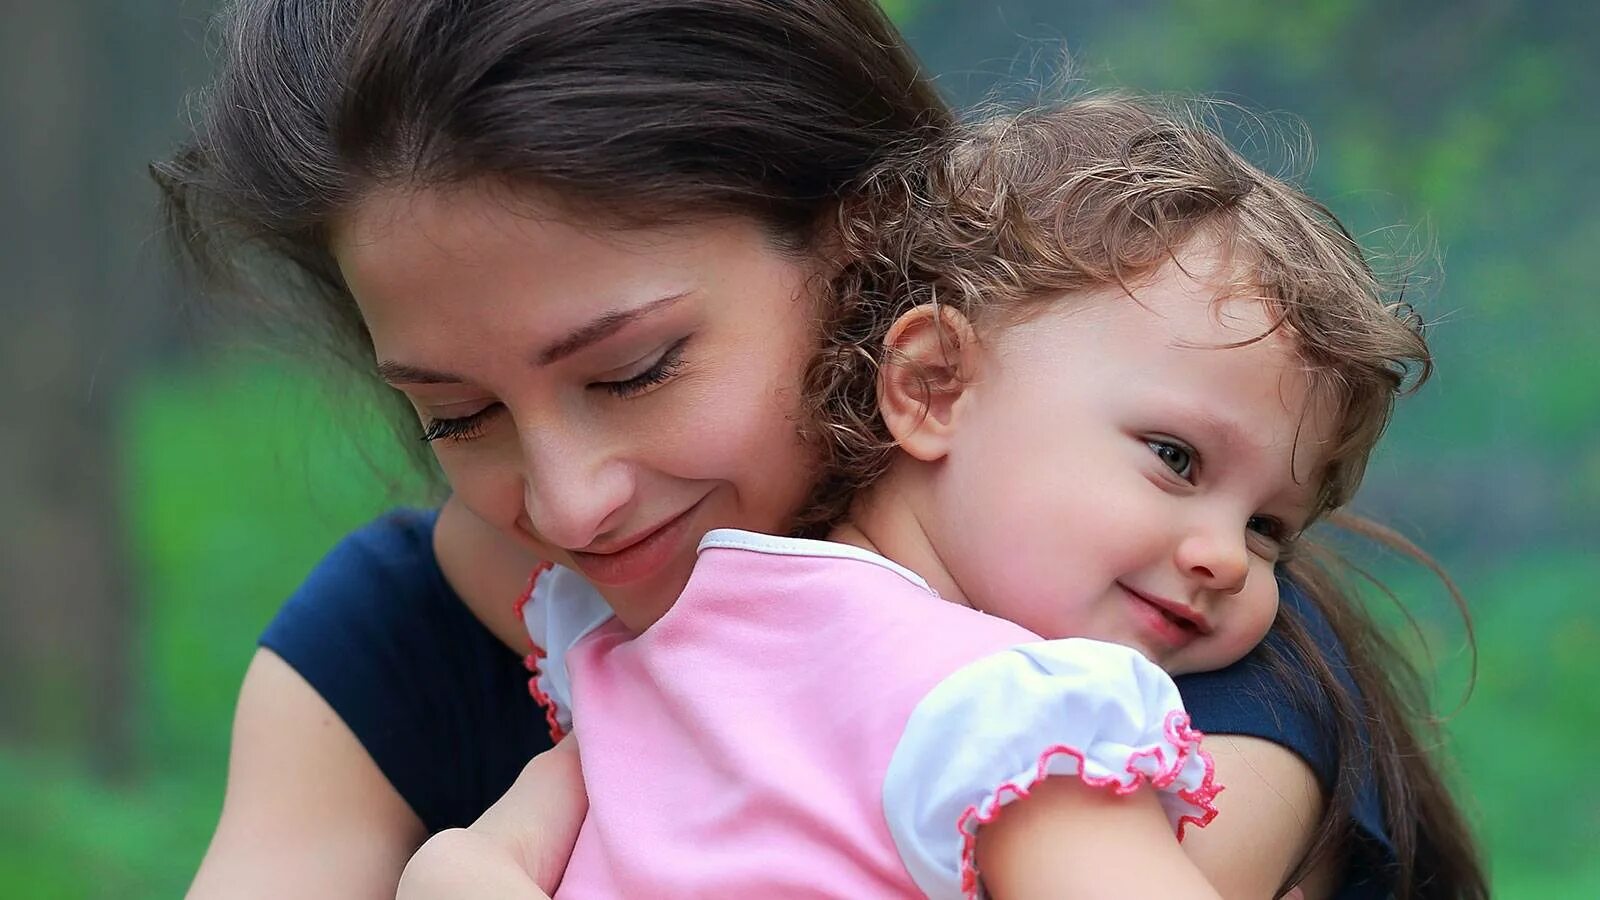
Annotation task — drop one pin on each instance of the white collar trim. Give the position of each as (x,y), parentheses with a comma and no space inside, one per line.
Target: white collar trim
(735,539)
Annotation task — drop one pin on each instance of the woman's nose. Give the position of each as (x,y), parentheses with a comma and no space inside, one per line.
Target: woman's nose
(1216,557)
(575,489)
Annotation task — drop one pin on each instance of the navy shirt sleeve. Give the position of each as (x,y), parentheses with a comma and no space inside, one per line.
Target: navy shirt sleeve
(439,703)
(1248,699)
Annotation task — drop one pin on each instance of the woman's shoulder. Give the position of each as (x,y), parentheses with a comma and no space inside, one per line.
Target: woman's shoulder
(1272,694)
(379,633)
(384,572)
(393,550)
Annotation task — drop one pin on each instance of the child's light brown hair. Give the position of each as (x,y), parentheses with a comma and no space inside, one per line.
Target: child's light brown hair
(1101,193)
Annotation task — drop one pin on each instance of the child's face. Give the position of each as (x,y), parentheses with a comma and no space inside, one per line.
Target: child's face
(1115,475)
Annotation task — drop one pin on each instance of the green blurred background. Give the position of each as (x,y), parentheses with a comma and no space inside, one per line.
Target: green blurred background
(167,487)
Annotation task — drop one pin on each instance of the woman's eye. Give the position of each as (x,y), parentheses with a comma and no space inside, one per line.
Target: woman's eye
(666,365)
(1175,456)
(462,428)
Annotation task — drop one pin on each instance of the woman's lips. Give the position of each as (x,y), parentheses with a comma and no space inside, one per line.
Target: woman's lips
(638,560)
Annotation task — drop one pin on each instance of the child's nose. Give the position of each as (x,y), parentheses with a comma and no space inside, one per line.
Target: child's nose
(1215,559)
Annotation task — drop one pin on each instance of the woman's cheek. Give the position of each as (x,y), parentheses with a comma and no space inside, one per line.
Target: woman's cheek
(727,426)
(761,452)
(492,489)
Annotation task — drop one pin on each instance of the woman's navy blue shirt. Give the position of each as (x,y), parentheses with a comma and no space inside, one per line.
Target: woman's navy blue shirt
(442,706)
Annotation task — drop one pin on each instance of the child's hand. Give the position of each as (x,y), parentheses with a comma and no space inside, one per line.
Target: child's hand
(518,848)
(541,813)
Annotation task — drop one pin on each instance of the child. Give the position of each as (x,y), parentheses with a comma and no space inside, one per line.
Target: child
(1087,377)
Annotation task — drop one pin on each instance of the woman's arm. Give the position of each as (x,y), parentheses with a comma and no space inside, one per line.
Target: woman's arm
(379,710)
(307,813)
(1067,839)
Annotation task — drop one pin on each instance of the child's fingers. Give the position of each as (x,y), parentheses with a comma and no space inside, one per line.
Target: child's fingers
(538,818)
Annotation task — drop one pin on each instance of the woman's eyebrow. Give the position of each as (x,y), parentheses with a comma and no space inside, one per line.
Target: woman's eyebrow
(601,328)
(397,373)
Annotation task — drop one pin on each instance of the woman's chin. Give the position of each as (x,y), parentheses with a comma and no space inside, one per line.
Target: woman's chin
(639,604)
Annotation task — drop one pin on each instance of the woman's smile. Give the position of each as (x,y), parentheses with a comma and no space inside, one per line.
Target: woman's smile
(617,393)
(639,557)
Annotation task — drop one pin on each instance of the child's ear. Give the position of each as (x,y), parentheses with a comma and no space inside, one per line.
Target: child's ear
(930,356)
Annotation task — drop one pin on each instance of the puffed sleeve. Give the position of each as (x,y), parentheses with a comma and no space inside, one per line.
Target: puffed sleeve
(558,610)
(985,735)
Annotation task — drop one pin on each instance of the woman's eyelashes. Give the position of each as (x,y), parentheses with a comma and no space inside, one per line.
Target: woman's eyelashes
(656,371)
(659,371)
(461,428)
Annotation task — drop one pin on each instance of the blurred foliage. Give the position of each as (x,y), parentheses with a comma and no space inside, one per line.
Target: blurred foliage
(1473,120)
(241,474)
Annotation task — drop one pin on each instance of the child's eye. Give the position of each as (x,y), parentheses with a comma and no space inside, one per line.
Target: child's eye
(666,365)
(1272,538)
(1175,456)
(1269,527)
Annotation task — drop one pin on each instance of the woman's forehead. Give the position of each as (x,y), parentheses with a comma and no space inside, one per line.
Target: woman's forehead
(471,234)
(433,271)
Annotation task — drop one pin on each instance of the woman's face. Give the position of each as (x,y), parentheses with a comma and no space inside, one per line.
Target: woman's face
(606,396)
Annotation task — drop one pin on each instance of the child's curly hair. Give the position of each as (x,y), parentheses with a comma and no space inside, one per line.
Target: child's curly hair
(1100,194)
(1095,194)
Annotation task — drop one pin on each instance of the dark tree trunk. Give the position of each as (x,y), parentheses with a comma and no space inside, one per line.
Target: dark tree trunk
(87,95)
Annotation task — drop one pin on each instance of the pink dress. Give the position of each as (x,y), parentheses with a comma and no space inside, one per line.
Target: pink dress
(811,720)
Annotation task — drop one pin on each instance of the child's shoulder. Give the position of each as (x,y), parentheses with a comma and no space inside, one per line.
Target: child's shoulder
(843,582)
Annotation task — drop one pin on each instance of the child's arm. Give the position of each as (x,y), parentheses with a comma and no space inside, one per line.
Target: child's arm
(1265,821)
(518,848)
(1067,839)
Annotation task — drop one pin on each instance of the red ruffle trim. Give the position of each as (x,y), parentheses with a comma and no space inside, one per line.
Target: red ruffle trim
(531,662)
(1178,732)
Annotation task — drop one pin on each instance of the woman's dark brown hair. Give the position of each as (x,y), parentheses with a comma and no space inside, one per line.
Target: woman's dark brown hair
(1096,196)
(639,111)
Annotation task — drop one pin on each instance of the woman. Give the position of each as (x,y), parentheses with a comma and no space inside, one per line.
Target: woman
(578,237)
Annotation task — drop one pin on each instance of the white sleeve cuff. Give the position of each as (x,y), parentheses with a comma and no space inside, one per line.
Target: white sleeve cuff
(986,734)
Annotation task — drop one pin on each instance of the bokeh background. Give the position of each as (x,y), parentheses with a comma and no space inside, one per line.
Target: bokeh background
(166,485)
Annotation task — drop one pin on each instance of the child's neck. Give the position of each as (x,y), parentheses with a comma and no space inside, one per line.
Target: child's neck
(888,520)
